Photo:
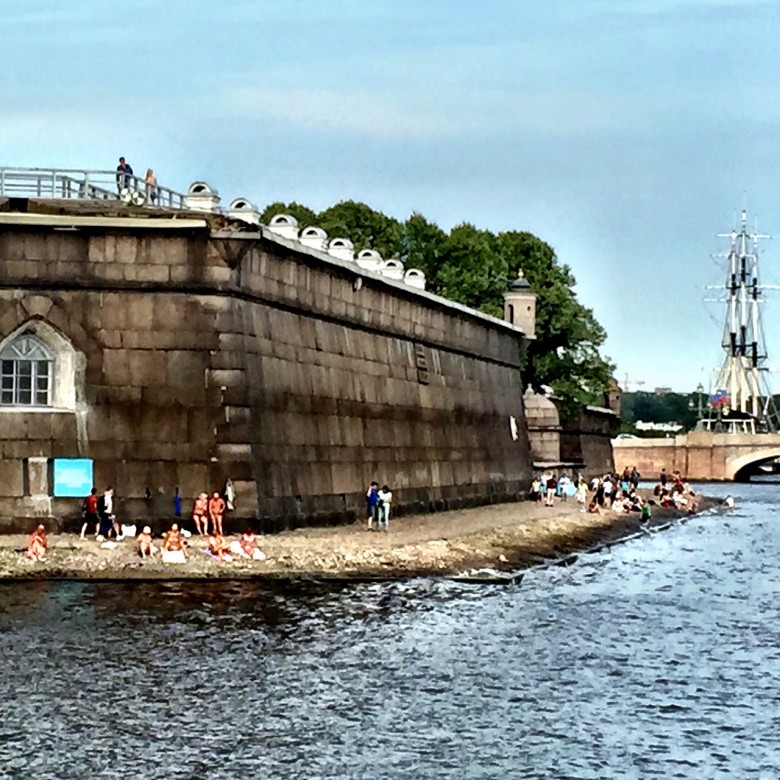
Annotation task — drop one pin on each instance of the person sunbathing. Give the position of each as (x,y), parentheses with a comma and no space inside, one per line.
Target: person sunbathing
(36,547)
(144,544)
(174,548)
(246,546)
(219,547)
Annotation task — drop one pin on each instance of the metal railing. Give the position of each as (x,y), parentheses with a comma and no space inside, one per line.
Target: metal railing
(75,184)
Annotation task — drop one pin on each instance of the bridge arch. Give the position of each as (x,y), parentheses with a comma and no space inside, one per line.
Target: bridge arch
(737,467)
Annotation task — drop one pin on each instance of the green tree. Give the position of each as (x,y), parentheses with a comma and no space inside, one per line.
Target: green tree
(303,214)
(565,354)
(422,246)
(363,226)
(471,271)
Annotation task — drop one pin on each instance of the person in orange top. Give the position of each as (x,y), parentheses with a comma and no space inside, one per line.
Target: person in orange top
(36,548)
(216,510)
(200,514)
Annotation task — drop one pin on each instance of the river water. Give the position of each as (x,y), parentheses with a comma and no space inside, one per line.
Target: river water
(659,658)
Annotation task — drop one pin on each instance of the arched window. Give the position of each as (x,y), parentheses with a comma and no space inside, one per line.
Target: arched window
(26,373)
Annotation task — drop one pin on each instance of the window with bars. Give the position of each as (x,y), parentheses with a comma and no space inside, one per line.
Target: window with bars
(26,373)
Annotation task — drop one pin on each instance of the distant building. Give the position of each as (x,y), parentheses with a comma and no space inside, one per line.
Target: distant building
(670,427)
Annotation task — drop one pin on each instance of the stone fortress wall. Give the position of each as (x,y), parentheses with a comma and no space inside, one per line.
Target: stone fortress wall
(191,350)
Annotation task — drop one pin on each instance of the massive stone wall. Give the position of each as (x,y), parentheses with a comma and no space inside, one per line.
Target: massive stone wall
(199,355)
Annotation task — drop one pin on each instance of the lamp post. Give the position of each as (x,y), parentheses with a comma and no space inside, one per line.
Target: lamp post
(699,391)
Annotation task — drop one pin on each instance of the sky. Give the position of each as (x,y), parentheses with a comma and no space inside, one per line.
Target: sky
(625,133)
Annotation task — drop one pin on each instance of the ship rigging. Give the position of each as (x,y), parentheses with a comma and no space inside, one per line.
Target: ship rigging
(741,401)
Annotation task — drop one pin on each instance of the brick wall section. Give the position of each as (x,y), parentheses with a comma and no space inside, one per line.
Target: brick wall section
(210,356)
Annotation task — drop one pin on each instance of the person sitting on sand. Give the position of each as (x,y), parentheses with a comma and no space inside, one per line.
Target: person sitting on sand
(218,548)
(144,544)
(36,547)
(594,508)
(246,546)
(174,548)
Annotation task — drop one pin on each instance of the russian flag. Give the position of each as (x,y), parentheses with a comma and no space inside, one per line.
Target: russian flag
(719,398)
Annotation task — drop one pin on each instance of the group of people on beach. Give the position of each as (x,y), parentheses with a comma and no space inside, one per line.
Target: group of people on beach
(175,547)
(378,504)
(618,492)
(673,491)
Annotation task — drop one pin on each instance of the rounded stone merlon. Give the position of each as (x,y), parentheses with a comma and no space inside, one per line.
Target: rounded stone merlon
(370,259)
(314,237)
(393,269)
(342,248)
(201,197)
(284,225)
(414,277)
(243,209)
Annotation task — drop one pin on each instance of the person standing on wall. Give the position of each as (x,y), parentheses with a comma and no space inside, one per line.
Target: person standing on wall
(124,175)
(150,182)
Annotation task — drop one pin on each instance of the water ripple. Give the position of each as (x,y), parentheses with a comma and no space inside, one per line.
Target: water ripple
(654,659)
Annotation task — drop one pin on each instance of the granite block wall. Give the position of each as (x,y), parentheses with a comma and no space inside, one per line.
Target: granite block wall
(201,355)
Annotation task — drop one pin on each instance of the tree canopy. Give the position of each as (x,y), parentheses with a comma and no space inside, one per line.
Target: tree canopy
(475,267)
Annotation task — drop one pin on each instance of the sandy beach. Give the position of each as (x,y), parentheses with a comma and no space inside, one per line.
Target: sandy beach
(501,537)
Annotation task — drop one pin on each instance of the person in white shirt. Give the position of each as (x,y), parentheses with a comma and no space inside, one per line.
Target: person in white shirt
(385,501)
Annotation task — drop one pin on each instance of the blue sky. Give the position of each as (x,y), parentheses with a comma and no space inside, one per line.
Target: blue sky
(625,133)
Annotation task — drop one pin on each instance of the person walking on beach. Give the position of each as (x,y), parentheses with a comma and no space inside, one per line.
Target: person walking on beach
(124,175)
(216,512)
(107,521)
(372,505)
(91,513)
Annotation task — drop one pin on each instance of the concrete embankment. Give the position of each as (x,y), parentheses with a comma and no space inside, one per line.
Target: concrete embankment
(504,537)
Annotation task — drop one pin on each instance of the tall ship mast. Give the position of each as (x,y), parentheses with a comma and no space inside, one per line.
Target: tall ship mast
(741,401)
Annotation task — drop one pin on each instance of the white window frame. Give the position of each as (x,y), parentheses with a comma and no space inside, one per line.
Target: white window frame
(27,373)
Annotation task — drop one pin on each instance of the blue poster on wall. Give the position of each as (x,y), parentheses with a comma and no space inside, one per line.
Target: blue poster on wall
(73,477)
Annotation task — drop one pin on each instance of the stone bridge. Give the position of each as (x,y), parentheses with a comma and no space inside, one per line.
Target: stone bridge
(699,455)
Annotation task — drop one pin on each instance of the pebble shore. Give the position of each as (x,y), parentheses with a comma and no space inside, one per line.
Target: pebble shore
(501,538)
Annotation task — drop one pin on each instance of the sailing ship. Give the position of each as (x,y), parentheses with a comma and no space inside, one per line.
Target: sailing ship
(742,401)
